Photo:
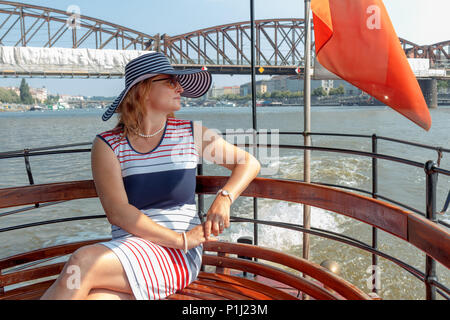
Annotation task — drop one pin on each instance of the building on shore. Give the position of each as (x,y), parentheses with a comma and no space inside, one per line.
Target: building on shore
(16,90)
(68,98)
(218,92)
(283,83)
(38,94)
(290,83)
(261,88)
(294,84)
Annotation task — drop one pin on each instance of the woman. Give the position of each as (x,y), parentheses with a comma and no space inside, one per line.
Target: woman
(144,172)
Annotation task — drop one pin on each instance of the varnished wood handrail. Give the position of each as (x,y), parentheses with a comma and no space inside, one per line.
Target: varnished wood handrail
(45,253)
(431,238)
(42,193)
(32,274)
(302,284)
(329,279)
(313,289)
(260,291)
(427,236)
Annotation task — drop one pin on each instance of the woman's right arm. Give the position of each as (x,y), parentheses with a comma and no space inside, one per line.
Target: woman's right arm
(107,176)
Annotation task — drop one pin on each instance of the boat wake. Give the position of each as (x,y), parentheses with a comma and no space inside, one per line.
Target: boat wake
(276,211)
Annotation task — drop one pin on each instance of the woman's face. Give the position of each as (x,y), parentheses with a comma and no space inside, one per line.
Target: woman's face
(164,94)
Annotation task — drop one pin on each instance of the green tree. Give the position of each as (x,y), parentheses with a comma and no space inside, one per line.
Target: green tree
(276,95)
(51,100)
(285,94)
(25,95)
(296,94)
(443,84)
(337,91)
(8,96)
(319,92)
(266,95)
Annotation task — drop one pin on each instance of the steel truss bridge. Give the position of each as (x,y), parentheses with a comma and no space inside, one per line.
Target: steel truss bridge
(223,49)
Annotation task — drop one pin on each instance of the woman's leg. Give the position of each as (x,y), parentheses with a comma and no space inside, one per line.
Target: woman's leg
(90,267)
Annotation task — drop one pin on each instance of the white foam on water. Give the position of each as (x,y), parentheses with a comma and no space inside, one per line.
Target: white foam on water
(278,211)
(346,171)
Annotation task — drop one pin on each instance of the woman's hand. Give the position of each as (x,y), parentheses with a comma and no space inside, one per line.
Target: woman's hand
(243,166)
(195,237)
(218,216)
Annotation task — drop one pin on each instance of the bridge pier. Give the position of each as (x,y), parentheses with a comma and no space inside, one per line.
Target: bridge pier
(430,92)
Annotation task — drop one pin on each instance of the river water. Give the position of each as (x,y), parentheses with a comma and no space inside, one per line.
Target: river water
(403,183)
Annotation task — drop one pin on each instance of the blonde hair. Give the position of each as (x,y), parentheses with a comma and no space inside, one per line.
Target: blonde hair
(132,108)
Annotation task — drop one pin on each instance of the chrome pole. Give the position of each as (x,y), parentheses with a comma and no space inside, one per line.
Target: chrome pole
(430,263)
(254,117)
(307,124)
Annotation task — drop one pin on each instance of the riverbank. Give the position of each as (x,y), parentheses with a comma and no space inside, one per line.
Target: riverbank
(14,108)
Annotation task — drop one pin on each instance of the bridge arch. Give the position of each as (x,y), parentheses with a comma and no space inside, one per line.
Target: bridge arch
(279,42)
(30,25)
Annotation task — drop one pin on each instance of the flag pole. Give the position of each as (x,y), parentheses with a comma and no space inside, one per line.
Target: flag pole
(307,124)
(254,117)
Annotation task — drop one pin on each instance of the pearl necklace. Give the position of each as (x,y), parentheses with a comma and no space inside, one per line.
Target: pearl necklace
(153,134)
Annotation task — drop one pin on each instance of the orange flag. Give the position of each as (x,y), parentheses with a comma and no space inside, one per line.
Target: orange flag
(355,40)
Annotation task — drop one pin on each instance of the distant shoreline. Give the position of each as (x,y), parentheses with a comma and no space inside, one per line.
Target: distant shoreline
(199,109)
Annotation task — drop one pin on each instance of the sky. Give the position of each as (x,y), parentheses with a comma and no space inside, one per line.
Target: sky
(420,21)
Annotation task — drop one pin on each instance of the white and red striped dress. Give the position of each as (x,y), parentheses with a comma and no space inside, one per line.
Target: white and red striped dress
(160,183)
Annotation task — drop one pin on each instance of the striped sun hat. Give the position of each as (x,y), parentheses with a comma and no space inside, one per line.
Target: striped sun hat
(194,82)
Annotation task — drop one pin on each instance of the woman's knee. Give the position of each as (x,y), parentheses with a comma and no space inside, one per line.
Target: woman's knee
(80,273)
(87,256)
(97,267)
(84,260)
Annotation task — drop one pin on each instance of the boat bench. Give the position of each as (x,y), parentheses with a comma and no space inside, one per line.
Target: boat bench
(269,280)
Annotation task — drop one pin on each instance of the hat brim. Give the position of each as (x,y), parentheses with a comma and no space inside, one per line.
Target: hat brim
(195,83)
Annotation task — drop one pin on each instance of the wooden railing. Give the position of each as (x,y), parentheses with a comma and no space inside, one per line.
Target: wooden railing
(429,237)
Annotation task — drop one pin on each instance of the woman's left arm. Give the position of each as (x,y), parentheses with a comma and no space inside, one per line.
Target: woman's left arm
(244,168)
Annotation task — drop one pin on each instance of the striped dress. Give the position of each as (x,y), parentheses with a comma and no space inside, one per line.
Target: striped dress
(160,183)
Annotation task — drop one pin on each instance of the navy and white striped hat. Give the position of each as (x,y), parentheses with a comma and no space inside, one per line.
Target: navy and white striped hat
(194,82)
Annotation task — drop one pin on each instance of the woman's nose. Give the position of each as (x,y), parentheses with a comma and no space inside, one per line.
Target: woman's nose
(179,88)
